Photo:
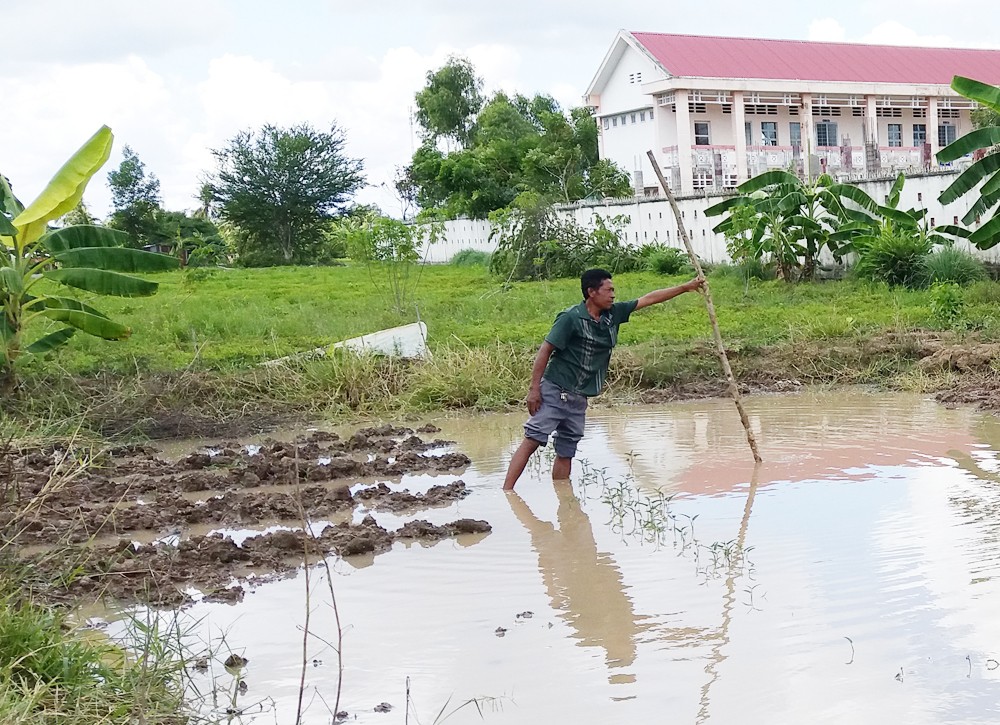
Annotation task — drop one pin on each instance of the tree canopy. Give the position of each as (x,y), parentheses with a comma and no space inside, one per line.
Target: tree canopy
(514,144)
(135,199)
(449,102)
(279,187)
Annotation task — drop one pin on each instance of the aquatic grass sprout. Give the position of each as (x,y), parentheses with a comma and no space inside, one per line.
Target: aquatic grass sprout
(652,520)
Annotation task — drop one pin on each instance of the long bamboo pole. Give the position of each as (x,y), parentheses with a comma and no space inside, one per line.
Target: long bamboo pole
(719,346)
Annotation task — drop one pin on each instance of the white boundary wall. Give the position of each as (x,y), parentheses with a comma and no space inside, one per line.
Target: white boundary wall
(651,220)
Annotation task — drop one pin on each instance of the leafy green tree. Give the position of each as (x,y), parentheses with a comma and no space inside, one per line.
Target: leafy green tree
(448,104)
(84,257)
(391,250)
(517,144)
(198,236)
(78,215)
(535,242)
(278,188)
(983,176)
(135,198)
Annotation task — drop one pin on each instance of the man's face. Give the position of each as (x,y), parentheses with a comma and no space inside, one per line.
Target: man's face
(604,296)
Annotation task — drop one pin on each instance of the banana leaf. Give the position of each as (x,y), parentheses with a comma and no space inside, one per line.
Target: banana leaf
(977,91)
(991,186)
(856,195)
(91,324)
(50,342)
(68,303)
(117,259)
(11,281)
(969,178)
(768,178)
(102,282)
(6,228)
(66,188)
(954,231)
(82,235)
(723,206)
(983,204)
(988,235)
(897,188)
(982,138)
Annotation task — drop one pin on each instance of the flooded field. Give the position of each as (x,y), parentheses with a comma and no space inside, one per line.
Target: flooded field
(852,578)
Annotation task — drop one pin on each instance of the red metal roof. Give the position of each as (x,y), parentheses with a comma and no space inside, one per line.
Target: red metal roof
(758,58)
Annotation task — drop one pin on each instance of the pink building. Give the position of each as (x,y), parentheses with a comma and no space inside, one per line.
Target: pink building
(717,111)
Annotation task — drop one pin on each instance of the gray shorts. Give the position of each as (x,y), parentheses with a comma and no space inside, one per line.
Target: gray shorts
(563,414)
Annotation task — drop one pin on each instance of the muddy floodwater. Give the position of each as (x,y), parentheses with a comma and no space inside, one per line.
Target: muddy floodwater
(854,577)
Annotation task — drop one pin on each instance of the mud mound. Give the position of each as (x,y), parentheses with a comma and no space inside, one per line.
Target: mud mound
(77,499)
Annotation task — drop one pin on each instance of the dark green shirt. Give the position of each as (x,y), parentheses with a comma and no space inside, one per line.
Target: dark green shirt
(583,347)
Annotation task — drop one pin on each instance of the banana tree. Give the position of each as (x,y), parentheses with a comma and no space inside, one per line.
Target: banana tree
(36,261)
(866,220)
(986,170)
(793,220)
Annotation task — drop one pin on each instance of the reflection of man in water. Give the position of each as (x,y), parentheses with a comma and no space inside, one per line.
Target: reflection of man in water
(582,582)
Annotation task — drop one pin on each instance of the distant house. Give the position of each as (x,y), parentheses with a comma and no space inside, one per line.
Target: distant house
(717,111)
(168,249)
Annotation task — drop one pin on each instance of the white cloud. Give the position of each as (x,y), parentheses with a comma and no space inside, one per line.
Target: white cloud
(52,111)
(893,32)
(69,30)
(827,30)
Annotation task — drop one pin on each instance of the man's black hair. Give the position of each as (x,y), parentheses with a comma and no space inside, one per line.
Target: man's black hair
(593,279)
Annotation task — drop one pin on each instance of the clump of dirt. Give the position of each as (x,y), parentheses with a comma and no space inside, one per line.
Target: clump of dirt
(381,498)
(70,503)
(975,357)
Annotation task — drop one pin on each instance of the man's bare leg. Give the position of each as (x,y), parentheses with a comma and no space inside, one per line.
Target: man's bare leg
(561,469)
(519,461)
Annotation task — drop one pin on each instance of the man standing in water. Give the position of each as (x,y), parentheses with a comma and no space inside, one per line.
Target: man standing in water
(572,366)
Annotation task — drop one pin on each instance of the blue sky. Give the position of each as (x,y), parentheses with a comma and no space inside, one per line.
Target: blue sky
(176,79)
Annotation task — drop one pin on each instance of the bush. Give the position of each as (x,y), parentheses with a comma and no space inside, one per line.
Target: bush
(947,303)
(750,269)
(668,261)
(896,259)
(953,265)
(471,258)
(535,242)
(984,293)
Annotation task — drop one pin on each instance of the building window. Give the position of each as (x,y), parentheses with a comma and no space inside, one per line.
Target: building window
(701,137)
(642,116)
(697,108)
(919,134)
(795,133)
(826,133)
(748,127)
(948,113)
(623,118)
(825,111)
(769,133)
(946,134)
(607,123)
(633,118)
(895,134)
(614,121)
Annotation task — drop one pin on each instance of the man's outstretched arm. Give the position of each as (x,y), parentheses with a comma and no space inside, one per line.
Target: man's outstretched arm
(662,295)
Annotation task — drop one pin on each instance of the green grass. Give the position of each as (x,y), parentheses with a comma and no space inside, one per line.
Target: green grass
(52,672)
(197,343)
(240,317)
